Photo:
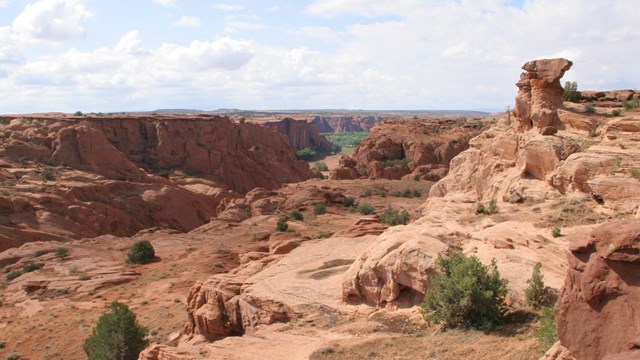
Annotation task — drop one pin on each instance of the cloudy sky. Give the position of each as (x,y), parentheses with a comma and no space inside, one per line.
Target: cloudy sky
(117,55)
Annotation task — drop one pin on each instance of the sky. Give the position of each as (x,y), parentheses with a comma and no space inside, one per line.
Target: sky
(137,55)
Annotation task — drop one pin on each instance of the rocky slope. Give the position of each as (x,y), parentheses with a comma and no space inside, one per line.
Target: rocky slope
(65,177)
(338,124)
(416,149)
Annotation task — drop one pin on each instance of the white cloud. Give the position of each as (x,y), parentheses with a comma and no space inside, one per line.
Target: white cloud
(235,26)
(188,21)
(52,20)
(330,8)
(165,2)
(227,7)
(4,3)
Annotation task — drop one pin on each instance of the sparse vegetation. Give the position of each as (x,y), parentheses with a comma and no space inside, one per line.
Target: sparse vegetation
(394,162)
(13,356)
(319,209)
(589,109)
(306,154)
(336,149)
(46,175)
(547,334)
(366,209)
(62,252)
(321,166)
(635,172)
(617,162)
(30,267)
(616,112)
(634,103)
(117,335)
(282,225)
(142,252)
(594,133)
(394,217)
(84,276)
(571,92)
(491,209)
(536,293)
(348,139)
(78,113)
(296,215)
(465,293)
(556,232)
(348,202)
(12,275)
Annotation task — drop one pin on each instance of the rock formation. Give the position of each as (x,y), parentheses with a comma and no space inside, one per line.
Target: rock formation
(597,313)
(338,124)
(416,149)
(540,95)
(301,134)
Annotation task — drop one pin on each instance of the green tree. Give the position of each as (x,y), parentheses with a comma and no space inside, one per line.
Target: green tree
(141,252)
(535,293)
(306,154)
(116,336)
(547,334)
(465,293)
(571,92)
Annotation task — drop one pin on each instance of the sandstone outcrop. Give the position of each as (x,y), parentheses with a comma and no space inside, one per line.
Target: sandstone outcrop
(595,313)
(301,134)
(338,124)
(416,149)
(540,95)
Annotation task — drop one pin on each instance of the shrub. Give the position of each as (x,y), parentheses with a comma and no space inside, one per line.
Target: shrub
(394,217)
(282,224)
(366,209)
(589,109)
(13,356)
(348,201)
(296,215)
(535,293)
(349,139)
(465,293)
(634,103)
(594,133)
(117,335)
(571,92)
(479,125)
(367,193)
(39,253)
(616,112)
(141,252)
(417,193)
(635,172)
(556,232)
(306,154)
(319,209)
(84,276)
(617,162)
(547,334)
(321,166)
(46,175)
(336,149)
(62,252)
(78,113)
(488,210)
(30,266)
(12,275)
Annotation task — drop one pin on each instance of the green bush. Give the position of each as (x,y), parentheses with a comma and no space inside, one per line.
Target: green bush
(46,175)
(535,293)
(589,109)
(635,172)
(319,209)
(30,266)
(141,252)
(62,252)
(634,103)
(321,166)
(336,149)
(571,92)
(616,112)
(12,275)
(394,217)
(547,334)
(296,215)
(282,224)
(306,154)
(78,113)
(491,209)
(556,232)
(348,202)
(117,335)
(465,293)
(366,209)
(348,139)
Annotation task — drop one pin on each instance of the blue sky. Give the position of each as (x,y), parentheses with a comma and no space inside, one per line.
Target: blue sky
(90,55)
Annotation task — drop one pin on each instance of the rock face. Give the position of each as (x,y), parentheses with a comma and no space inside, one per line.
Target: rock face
(69,178)
(540,95)
(338,124)
(417,149)
(596,312)
(301,134)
